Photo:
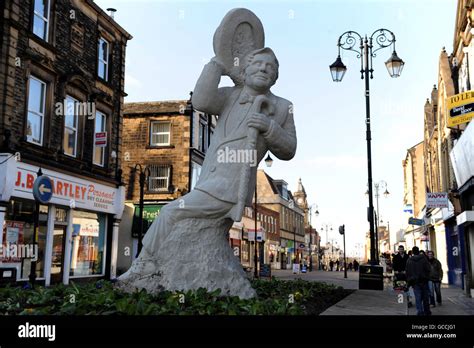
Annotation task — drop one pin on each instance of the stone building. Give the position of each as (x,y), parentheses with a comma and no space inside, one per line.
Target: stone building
(414,192)
(168,142)
(275,195)
(62,70)
(460,233)
(311,250)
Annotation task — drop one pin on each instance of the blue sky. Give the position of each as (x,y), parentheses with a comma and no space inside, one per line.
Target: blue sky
(173,40)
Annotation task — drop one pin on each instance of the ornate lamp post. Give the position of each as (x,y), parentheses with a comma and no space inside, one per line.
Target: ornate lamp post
(142,180)
(379,39)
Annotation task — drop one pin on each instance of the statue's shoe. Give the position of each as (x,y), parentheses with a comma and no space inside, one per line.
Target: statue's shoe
(142,267)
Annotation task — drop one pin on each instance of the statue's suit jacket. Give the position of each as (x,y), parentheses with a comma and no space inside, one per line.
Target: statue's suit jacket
(222,180)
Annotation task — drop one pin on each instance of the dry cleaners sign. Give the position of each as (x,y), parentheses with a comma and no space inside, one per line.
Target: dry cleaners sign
(68,190)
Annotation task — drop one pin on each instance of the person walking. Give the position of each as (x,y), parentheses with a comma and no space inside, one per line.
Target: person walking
(356,265)
(337,265)
(418,274)
(331,265)
(436,276)
(399,263)
(350,266)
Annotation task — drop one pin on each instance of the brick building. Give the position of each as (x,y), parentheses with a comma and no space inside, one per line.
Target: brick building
(275,195)
(62,72)
(241,237)
(169,142)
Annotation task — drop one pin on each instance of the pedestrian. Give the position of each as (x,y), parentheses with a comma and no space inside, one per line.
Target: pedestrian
(399,264)
(436,276)
(356,265)
(418,274)
(337,265)
(331,265)
(350,266)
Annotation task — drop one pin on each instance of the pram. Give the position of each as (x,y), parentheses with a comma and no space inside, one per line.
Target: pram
(400,285)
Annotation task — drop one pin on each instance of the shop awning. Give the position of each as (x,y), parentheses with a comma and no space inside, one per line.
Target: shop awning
(465,218)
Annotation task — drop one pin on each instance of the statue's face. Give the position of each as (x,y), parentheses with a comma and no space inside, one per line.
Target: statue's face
(261,73)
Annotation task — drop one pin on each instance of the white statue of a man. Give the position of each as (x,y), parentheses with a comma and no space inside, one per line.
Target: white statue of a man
(251,118)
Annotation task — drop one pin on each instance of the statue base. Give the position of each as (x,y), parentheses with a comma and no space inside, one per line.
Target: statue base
(196,254)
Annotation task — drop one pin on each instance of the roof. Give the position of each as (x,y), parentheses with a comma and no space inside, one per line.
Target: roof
(156,107)
(109,19)
(272,183)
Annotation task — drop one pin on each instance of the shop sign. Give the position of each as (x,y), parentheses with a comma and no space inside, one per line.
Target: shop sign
(260,235)
(86,227)
(437,200)
(462,155)
(67,190)
(233,234)
(150,212)
(418,222)
(460,108)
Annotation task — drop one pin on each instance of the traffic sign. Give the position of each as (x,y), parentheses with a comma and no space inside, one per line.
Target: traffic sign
(43,189)
(418,222)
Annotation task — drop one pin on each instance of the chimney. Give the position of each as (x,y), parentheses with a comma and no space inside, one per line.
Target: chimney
(111,12)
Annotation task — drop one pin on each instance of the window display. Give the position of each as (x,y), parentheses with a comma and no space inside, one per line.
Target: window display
(18,235)
(88,241)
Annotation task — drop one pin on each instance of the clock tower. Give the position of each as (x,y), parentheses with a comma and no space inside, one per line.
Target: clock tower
(301,200)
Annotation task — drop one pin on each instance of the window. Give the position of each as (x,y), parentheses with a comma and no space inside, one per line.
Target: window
(103,62)
(159,179)
(160,134)
(36,111)
(88,244)
(18,229)
(99,151)
(70,127)
(202,146)
(196,171)
(41,19)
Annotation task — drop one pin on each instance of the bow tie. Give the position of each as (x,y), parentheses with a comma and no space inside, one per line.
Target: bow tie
(246,98)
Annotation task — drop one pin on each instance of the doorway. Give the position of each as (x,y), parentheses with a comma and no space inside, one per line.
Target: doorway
(57,259)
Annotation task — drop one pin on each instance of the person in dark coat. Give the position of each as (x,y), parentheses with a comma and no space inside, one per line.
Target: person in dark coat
(356,265)
(418,274)
(436,276)
(399,264)
(337,265)
(331,265)
(350,266)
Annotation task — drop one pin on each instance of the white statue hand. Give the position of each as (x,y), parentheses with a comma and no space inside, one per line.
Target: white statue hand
(259,121)
(221,65)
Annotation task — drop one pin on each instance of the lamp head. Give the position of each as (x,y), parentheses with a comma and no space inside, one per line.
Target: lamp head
(338,69)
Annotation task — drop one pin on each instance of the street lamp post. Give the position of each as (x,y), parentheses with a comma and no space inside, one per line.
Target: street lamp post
(347,41)
(310,236)
(142,179)
(327,227)
(379,185)
(268,162)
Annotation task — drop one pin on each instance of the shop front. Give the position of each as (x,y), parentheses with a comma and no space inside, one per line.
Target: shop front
(77,231)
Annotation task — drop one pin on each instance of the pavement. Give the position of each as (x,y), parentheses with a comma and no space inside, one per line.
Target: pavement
(376,302)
